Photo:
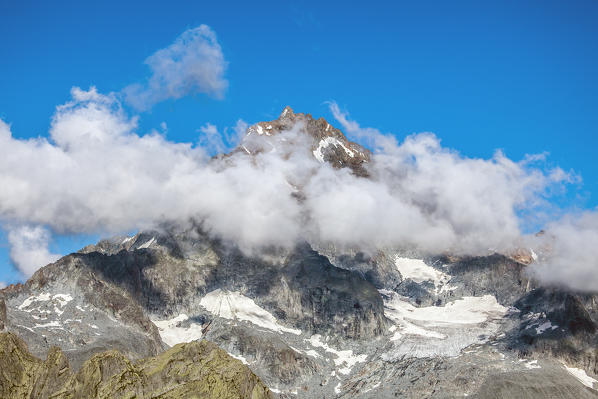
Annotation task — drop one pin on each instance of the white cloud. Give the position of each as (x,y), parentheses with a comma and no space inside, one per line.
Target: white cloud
(370,137)
(97,175)
(433,198)
(194,63)
(2,284)
(220,142)
(568,252)
(29,248)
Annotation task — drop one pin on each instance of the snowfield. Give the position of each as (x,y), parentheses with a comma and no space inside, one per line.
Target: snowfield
(439,330)
(324,143)
(234,306)
(171,332)
(418,271)
(582,377)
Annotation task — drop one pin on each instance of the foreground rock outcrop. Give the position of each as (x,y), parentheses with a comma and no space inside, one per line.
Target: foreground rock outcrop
(195,370)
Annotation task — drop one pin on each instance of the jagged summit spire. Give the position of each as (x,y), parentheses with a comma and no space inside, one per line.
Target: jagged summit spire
(286,112)
(329,144)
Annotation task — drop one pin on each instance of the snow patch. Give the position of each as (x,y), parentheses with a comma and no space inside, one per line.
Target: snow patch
(147,243)
(31,299)
(467,310)
(582,376)
(234,306)
(58,299)
(439,330)
(171,332)
(545,326)
(63,299)
(418,271)
(532,364)
(48,325)
(324,143)
(241,358)
(345,358)
(126,240)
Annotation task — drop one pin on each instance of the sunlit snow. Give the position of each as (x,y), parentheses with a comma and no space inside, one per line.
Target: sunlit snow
(418,271)
(148,243)
(582,376)
(234,306)
(344,358)
(439,330)
(324,143)
(171,332)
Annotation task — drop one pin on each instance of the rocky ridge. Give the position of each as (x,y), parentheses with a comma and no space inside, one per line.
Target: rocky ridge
(317,321)
(328,144)
(196,369)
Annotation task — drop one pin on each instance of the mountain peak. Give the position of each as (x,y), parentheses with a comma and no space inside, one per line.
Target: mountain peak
(329,144)
(287,112)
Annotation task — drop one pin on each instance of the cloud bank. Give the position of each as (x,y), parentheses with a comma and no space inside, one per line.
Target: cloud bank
(194,63)
(569,252)
(96,174)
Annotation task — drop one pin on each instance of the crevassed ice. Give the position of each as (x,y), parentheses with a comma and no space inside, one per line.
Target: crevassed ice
(438,330)
(467,310)
(172,334)
(234,306)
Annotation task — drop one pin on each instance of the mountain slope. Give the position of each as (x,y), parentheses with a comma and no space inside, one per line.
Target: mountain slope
(315,320)
(197,369)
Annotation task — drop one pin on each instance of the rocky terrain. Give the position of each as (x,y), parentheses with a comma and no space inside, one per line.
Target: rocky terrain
(312,321)
(196,369)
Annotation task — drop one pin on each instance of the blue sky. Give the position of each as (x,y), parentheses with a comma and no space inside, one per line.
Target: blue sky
(516,75)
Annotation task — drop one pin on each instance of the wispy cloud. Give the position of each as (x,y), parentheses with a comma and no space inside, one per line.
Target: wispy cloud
(194,63)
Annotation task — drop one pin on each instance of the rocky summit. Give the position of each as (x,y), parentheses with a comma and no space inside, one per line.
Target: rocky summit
(177,312)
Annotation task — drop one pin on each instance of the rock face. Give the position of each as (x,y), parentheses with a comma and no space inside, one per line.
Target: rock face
(197,369)
(312,321)
(327,143)
(83,311)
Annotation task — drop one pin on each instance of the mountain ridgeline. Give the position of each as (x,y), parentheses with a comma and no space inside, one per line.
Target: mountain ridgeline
(176,312)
